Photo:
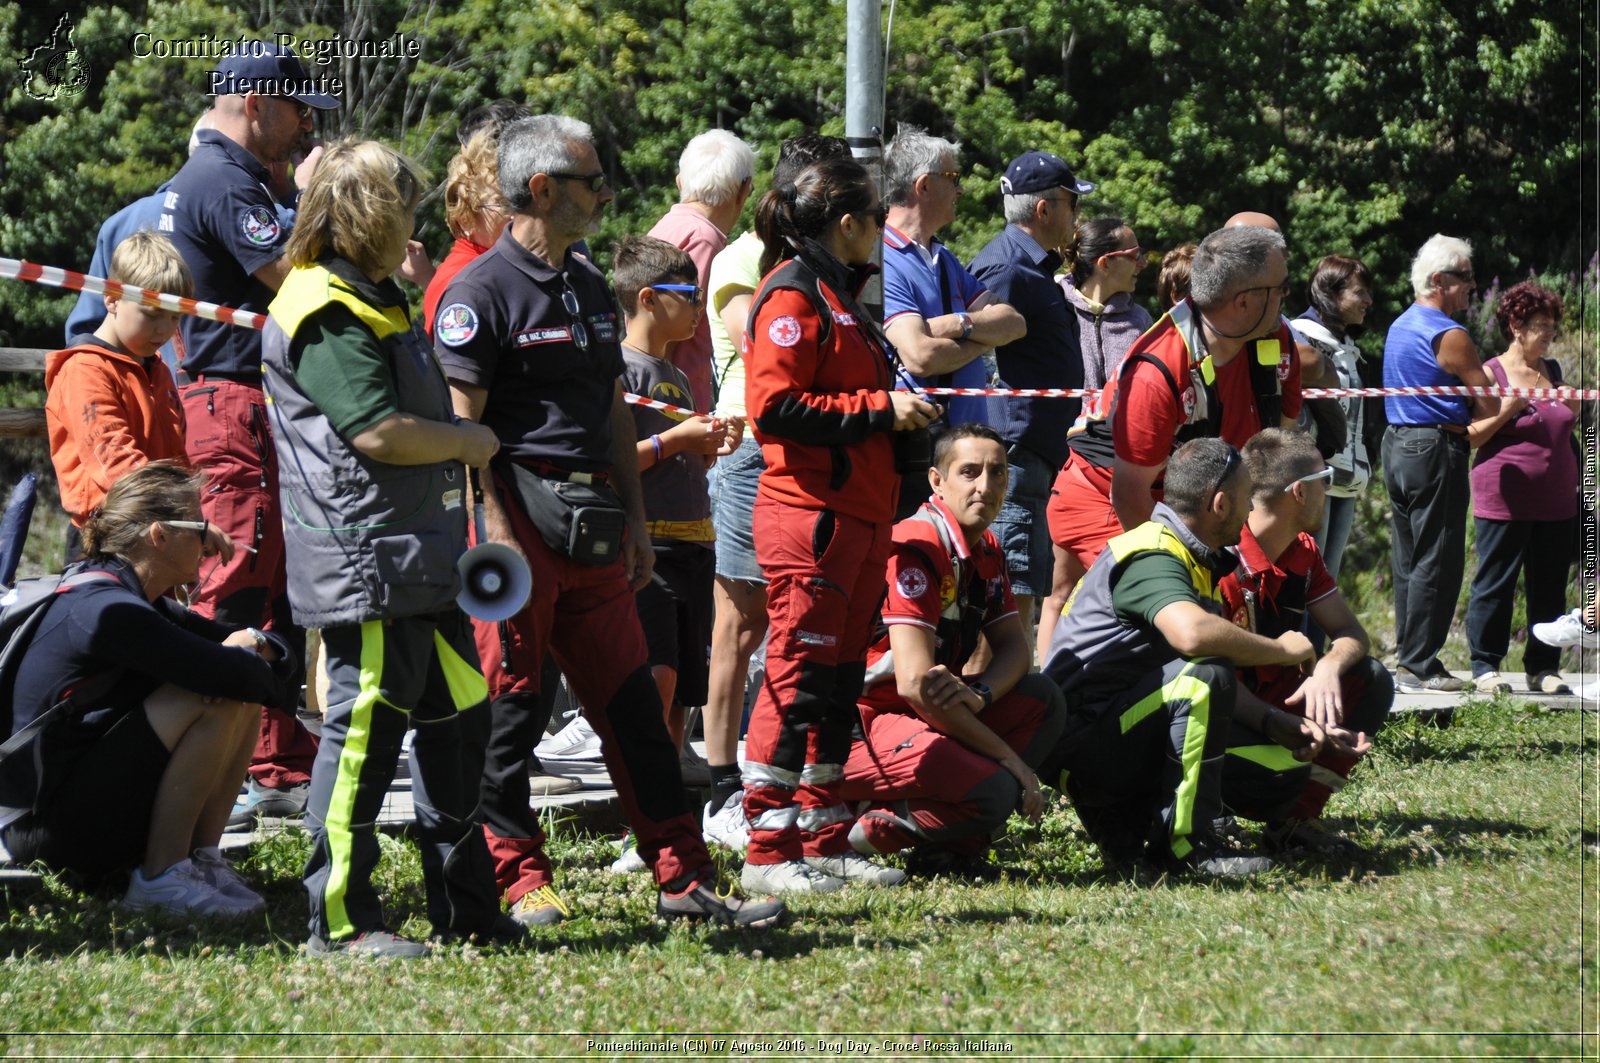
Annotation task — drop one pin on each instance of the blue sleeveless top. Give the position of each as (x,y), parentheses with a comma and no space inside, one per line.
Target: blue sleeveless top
(1409,362)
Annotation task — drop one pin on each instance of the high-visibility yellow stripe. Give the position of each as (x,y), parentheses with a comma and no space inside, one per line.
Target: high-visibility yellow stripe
(352,759)
(1194,743)
(1271,757)
(466,683)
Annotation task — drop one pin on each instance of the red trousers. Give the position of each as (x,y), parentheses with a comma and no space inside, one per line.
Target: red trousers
(925,786)
(227,436)
(1080,517)
(825,577)
(585,615)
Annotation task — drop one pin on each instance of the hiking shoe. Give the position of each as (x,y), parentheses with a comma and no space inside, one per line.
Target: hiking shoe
(1442,683)
(265,802)
(540,907)
(727,826)
(853,867)
(693,767)
(1227,863)
(630,860)
(370,945)
(181,889)
(705,899)
(1308,835)
(576,741)
(546,784)
(926,861)
(1548,683)
(1567,630)
(789,876)
(225,880)
(1491,683)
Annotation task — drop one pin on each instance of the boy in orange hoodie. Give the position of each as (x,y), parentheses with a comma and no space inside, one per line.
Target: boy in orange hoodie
(112,404)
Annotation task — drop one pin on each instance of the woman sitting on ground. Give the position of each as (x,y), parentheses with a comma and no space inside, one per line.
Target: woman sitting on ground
(162,708)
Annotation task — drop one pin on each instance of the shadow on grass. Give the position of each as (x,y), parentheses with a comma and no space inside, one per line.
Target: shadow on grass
(1425,744)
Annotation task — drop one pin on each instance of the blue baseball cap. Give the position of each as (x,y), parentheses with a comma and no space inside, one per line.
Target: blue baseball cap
(1037,171)
(271,70)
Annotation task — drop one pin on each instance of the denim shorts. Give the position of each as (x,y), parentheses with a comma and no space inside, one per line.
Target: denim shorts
(1022,528)
(733,501)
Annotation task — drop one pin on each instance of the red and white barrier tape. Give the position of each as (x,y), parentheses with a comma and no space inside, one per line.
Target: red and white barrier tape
(16,269)
(1310,393)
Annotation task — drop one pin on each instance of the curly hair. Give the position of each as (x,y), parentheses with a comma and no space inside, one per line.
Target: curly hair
(1523,302)
(472,197)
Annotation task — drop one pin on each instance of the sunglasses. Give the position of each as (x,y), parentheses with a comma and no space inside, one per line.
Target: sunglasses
(950,175)
(879,214)
(1282,289)
(690,292)
(569,303)
(1133,252)
(1324,473)
(204,528)
(1463,275)
(595,181)
(1227,470)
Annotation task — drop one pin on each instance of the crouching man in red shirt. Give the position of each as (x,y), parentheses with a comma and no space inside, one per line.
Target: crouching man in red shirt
(949,755)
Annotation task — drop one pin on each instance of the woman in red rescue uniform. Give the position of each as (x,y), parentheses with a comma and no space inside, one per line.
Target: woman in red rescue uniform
(819,389)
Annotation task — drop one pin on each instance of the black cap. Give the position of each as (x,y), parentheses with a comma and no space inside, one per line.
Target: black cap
(272,70)
(1037,171)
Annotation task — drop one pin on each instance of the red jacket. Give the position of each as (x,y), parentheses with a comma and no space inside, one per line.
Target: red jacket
(108,413)
(819,404)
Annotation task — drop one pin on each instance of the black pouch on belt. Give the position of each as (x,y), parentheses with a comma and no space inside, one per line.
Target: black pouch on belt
(582,521)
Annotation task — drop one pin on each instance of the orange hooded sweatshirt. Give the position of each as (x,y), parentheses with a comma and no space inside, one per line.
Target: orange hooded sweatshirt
(108,413)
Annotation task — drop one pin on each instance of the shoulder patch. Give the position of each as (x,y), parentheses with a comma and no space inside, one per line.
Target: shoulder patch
(456,324)
(784,331)
(912,582)
(259,226)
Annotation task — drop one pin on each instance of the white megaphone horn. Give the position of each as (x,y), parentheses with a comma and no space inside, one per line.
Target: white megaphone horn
(495,579)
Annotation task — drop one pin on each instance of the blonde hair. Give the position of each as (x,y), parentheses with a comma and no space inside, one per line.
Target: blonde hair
(472,186)
(360,193)
(149,260)
(161,490)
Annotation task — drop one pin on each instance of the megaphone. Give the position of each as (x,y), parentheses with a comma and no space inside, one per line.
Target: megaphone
(495,579)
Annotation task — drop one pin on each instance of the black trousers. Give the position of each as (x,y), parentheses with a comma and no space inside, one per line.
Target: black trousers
(1425,470)
(1542,551)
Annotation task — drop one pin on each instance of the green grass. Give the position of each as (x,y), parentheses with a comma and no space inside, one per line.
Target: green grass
(1466,929)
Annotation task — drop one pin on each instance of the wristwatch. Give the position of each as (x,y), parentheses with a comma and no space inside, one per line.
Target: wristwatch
(966,324)
(259,636)
(982,690)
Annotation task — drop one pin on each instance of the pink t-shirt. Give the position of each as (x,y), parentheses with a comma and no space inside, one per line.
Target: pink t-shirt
(1528,470)
(684,227)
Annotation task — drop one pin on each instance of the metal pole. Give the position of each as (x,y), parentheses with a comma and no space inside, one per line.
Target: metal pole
(863,100)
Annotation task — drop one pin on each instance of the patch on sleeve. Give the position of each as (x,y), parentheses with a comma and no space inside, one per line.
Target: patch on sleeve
(260,226)
(456,324)
(912,582)
(784,331)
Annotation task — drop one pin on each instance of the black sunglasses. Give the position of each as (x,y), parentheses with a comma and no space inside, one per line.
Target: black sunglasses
(595,181)
(1227,471)
(569,302)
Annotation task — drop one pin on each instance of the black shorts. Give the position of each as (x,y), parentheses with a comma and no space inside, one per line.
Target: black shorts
(675,610)
(96,797)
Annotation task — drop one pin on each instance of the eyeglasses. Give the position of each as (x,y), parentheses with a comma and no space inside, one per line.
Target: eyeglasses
(1282,289)
(303,110)
(690,291)
(569,302)
(595,181)
(878,214)
(1134,252)
(949,175)
(201,526)
(1324,473)
(1227,471)
(1070,199)
(1463,275)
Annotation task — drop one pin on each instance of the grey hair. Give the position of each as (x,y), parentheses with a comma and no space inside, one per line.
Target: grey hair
(713,167)
(544,143)
(1439,255)
(912,153)
(1019,208)
(1228,258)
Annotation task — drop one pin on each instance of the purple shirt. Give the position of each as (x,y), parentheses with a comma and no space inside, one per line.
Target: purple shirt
(1528,470)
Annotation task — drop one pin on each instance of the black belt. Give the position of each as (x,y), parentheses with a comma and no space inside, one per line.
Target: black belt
(1453,429)
(554,472)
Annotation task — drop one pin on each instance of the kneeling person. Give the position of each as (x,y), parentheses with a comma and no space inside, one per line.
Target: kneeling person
(948,756)
(1348,694)
(1146,660)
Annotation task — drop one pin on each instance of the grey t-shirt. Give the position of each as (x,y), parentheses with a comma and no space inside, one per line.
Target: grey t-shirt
(675,488)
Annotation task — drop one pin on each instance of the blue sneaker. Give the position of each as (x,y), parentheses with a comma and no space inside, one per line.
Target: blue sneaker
(263,802)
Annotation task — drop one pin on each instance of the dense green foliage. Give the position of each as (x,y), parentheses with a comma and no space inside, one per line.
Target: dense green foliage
(1364,127)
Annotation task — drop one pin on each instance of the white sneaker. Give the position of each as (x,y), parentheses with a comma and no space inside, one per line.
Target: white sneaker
(853,867)
(793,876)
(727,826)
(225,880)
(1567,630)
(1491,683)
(630,860)
(181,889)
(575,741)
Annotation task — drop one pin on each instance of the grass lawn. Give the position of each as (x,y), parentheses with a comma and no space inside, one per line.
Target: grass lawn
(1468,929)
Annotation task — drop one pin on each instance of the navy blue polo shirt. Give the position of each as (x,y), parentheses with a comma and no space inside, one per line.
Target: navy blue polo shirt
(912,284)
(225,224)
(1018,271)
(502,326)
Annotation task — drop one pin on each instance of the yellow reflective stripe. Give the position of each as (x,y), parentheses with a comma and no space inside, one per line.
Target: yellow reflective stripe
(308,289)
(1269,352)
(1208,370)
(691,531)
(1188,688)
(336,825)
(1273,758)
(1153,535)
(1144,707)
(466,683)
